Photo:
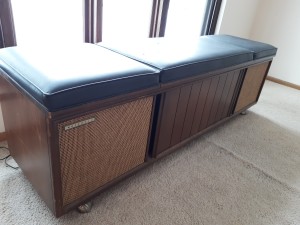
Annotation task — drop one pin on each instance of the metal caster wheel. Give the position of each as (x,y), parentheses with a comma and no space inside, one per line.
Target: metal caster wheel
(244,113)
(85,208)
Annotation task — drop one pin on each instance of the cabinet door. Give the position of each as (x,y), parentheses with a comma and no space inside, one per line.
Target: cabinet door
(101,146)
(252,85)
(189,109)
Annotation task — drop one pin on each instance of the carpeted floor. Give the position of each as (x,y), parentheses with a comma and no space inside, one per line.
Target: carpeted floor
(246,171)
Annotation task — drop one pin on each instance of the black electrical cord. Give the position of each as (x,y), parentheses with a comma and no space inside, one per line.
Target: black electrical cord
(5,158)
(7,164)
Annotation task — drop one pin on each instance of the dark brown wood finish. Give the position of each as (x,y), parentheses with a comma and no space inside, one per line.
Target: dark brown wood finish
(26,126)
(180,114)
(209,102)
(200,106)
(170,101)
(188,109)
(152,126)
(217,98)
(222,103)
(3,136)
(56,167)
(230,100)
(186,141)
(191,109)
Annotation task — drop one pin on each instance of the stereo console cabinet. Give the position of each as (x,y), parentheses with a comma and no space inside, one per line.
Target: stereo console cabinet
(81,118)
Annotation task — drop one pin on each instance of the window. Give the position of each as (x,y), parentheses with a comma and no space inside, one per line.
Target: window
(211,17)
(126,19)
(48,21)
(76,21)
(185,18)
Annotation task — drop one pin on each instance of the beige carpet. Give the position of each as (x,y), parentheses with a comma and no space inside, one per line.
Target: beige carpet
(245,172)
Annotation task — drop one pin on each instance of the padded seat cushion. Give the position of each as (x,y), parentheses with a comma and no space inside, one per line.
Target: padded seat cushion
(259,49)
(66,76)
(178,60)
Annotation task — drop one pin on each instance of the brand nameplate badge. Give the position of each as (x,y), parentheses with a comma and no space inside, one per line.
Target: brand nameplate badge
(78,124)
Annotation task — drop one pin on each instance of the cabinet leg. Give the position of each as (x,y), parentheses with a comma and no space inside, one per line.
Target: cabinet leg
(85,208)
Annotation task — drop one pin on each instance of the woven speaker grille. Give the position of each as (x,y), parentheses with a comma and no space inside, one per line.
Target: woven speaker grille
(112,142)
(251,86)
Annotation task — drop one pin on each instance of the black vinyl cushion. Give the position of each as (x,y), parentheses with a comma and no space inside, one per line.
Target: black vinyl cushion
(259,49)
(66,76)
(179,59)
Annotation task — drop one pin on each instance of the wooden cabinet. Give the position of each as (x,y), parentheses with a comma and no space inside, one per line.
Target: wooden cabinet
(73,154)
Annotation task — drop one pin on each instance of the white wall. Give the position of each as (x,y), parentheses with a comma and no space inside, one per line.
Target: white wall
(236,17)
(1,121)
(272,21)
(277,22)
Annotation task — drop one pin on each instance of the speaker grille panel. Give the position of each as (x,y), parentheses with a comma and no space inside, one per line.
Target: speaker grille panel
(250,90)
(96,148)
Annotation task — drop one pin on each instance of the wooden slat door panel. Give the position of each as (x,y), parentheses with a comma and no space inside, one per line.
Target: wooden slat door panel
(216,101)
(180,114)
(200,106)
(222,103)
(209,102)
(192,108)
(229,100)
(170,100)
